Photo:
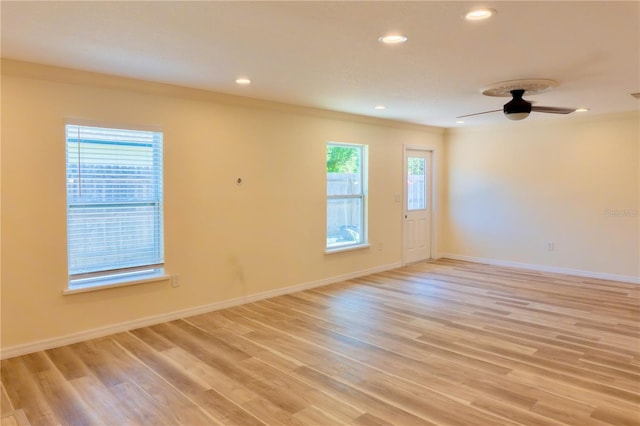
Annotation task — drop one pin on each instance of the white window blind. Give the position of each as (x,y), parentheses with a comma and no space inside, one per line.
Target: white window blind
(114,201)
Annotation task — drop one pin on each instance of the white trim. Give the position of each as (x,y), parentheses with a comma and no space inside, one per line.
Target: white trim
(94,333)
(111,125)
(347,248)
(115,282)
(544,268)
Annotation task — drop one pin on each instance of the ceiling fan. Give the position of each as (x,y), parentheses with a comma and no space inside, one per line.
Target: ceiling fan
(518,108)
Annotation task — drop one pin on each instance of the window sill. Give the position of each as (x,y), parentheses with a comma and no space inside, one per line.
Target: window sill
(103,284)
(348,248)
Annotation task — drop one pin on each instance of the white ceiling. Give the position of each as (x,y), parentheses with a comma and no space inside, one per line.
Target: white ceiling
(327,55)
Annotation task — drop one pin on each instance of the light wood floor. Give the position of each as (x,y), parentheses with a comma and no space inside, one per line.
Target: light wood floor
(436,343)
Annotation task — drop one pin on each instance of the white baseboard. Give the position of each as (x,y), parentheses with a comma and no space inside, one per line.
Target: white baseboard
(544,268)
(94,333)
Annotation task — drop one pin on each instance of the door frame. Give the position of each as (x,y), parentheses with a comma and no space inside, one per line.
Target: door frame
(433,243)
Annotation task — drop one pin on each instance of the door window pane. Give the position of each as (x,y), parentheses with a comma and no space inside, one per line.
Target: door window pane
(416,183)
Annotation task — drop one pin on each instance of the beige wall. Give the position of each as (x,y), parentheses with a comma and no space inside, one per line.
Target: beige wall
(225,241)
(504,192)
(574,181)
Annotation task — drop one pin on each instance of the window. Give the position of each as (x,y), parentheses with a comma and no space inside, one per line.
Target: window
(346,192)
(114,205)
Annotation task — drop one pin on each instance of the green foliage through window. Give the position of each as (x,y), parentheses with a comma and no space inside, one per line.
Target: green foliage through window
(343,159)
(416,166)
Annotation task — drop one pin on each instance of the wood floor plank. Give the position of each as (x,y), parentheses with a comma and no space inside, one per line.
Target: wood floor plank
(435,343)
(368,419)
(102,403)
(25,392)
(224,410)
(67,362)
(216,379)
(359,398)
(5,404)
(16,418)
(156,362)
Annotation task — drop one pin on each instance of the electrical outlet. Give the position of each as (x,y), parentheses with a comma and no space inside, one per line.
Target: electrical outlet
(551,246)
(175,281)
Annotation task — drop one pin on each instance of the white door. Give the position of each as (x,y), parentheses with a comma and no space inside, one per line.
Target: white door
(417,206)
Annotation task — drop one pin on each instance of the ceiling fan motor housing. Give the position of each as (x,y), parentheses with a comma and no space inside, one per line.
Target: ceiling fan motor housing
(517,108)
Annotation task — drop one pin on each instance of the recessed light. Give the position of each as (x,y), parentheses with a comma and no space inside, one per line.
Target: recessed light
(582,109)
(460,122)
(243,81)
(479,14)
(393,39)
(380,107)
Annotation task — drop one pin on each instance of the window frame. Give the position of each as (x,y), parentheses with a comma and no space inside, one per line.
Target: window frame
(362,196)
(126,275)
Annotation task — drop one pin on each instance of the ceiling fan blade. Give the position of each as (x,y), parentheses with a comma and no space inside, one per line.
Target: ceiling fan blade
(552,110)
(478,113)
